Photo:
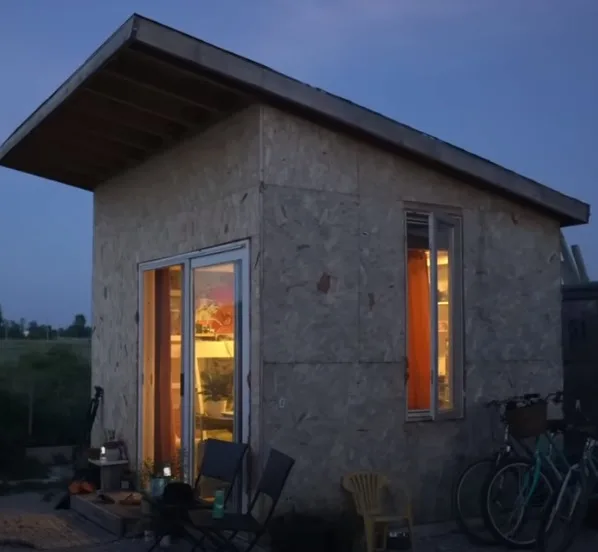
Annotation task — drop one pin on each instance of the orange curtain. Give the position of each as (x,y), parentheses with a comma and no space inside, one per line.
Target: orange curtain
(164,452)
(418,331)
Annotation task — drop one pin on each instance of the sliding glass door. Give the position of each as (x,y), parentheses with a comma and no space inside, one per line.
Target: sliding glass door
(216,353)
(194,354)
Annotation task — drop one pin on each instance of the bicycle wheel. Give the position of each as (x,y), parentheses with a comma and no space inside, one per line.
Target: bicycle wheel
(563,518)
(513,500)
(467,501)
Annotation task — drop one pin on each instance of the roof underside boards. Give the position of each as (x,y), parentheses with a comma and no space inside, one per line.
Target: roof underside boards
(135,105)
(149,86)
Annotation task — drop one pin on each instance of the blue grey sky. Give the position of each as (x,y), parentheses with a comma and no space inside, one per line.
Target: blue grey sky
(515,81)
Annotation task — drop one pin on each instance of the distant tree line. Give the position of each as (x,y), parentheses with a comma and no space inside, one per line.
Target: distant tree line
(11,329)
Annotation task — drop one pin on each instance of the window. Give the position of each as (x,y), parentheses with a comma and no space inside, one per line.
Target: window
(434,316)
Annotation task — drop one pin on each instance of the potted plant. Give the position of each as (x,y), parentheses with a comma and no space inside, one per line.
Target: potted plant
(151,470)
(153,475)
(217,389)
(146,474)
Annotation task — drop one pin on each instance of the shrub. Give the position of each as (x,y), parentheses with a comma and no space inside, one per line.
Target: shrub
(58,383)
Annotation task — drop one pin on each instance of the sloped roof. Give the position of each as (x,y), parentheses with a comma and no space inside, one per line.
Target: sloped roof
(148,86)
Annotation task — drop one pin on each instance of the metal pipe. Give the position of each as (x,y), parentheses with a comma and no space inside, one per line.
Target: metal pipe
(580,263)
(570,275)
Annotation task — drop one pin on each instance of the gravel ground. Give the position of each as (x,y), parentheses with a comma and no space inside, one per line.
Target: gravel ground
(587,542)
(30,517)
(61,531)
(446,543)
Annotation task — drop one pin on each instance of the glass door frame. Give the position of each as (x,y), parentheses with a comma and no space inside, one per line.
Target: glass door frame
(236,252)
(239,258)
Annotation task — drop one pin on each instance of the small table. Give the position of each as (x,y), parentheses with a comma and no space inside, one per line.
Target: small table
(170,518)
(110,473)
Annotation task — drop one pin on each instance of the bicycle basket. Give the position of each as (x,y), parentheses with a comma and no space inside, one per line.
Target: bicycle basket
(528,421)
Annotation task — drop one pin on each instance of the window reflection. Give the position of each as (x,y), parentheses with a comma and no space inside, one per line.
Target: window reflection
(215,337)
(444,262)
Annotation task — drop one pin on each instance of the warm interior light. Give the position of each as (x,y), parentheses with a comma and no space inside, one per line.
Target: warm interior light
(167,471)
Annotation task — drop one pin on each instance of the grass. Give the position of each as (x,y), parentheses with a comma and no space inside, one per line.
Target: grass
(12,349)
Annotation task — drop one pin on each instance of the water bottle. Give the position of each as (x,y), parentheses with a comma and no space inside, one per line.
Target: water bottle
(218,506)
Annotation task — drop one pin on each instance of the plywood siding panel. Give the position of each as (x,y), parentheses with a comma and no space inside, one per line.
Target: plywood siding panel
(202,193)
(336,205)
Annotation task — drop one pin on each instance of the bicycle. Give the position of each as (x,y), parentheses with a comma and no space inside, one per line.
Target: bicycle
(570,503)
(532,489)
(469,485)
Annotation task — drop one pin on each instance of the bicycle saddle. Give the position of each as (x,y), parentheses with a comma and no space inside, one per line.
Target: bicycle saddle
(556,426)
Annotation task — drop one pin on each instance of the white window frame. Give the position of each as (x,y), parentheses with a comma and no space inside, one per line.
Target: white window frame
(456,325)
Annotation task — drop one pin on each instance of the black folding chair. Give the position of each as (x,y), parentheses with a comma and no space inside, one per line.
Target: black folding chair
(271,485)
(222,462)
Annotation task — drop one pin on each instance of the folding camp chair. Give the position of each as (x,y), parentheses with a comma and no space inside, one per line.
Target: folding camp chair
(221,532)
(222,462)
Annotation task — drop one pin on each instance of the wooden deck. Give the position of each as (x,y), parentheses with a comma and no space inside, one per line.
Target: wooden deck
(120,520)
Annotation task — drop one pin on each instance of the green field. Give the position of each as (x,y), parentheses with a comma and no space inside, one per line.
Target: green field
(44,390)
(12,349)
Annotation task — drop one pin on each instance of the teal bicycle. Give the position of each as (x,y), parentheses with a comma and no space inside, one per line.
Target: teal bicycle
(567,509)
(470,483)
(516,494)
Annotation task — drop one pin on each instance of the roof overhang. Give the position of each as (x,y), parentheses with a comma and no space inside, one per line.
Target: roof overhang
(149,86)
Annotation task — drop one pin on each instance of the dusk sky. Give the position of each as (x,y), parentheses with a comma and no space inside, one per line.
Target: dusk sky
(515,81)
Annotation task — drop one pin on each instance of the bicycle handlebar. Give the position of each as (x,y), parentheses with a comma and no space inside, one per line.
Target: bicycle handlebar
(555,398)
(528,398)
(531,396)
(503,402)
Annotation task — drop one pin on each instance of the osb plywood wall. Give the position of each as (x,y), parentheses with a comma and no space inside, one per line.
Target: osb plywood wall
(202,193)
(333,316)
(324,213)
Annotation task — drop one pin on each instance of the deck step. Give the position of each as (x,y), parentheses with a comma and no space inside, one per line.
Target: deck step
(115,518)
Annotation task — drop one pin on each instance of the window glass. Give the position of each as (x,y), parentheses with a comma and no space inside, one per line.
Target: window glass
(443,300)
(419,330)
(432,306)
(161,416)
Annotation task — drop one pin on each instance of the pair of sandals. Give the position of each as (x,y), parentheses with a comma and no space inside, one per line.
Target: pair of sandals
(132,499)
(81,487)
